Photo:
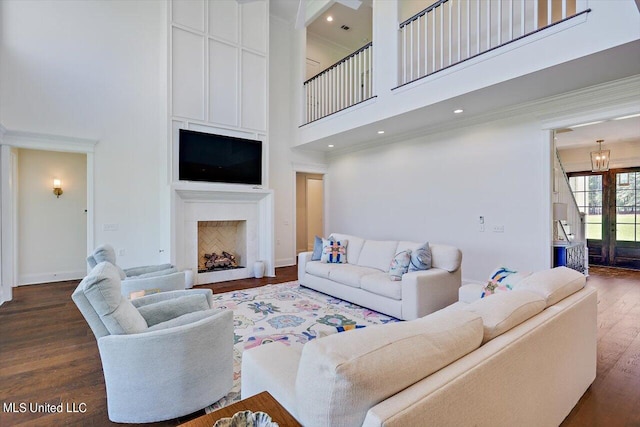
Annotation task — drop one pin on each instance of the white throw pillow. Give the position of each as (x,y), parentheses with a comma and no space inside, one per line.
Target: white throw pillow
(506,310)
(554,284)
(341,376)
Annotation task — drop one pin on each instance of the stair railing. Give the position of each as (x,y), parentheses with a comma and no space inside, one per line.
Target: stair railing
(564,193)
(342,85)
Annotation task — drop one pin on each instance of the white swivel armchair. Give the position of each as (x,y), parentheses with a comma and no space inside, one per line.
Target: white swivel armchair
(163,277)
(164,355)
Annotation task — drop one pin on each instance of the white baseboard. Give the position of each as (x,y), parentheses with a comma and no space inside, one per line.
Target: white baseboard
(34,279)
(285,262)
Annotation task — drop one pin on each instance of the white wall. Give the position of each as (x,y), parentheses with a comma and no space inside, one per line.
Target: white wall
(324,52)
(219,62)
(283,105)
(434,188)
(52,232)
(97,70)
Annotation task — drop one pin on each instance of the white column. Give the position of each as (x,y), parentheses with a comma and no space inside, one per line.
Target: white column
(385,43)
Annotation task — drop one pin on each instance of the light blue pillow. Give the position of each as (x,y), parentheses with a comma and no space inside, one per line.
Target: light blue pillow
(421,258)
(399,265)
(317,249)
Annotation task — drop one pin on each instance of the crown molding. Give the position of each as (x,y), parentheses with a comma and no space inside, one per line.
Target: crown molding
(40,141)
(603,101)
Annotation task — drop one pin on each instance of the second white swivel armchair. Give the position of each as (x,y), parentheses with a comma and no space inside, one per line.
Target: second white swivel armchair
(163,277)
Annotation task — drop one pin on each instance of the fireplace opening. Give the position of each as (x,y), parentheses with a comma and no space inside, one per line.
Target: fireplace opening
(221,245)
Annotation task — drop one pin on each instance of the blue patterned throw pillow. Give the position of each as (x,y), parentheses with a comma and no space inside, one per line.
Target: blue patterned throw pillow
(421,258)
(334,251)
(399,265)
(502,279)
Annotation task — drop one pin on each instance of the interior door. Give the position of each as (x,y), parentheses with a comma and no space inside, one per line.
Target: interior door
(314,210)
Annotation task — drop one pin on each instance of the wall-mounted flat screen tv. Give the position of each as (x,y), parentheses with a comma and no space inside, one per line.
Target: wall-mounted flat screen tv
(218,158)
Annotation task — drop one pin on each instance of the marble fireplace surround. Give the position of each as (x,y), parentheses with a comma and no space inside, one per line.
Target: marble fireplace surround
(193,202)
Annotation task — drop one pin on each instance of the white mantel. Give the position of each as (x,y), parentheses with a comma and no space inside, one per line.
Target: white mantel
(194,201)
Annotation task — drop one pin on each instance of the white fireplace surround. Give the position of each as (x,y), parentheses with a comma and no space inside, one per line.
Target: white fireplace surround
(193,202)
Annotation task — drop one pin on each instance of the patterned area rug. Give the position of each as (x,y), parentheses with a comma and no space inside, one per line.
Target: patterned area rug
(290,314)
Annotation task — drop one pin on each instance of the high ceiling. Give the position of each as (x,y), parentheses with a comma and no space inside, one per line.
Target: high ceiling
(611,131)
(612,64)
(358,22)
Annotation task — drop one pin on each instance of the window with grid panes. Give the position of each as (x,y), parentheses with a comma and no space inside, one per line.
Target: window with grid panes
(627,206)
(587,191)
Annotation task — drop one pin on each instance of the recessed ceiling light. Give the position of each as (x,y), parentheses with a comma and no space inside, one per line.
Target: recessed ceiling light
(329,18)
(458,111)
(627,117)
(586,124)
(380,132)
(330,146)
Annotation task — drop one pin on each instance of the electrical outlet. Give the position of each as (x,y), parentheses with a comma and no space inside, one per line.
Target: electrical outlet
(109,227)
(121,252)
(498,228)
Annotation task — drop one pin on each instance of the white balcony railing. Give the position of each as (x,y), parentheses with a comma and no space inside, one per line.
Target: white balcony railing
(451,31)
(345,83)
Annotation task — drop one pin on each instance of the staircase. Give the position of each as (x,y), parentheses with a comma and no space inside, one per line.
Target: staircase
(569,229)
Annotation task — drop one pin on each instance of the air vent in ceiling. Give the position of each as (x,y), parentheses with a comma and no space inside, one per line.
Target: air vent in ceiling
(345,27)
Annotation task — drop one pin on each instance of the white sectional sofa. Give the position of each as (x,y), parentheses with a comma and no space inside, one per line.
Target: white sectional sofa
(364,279)
(519,358)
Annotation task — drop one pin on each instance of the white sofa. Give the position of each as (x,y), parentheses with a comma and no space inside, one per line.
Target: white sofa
(364,279)
(523,357)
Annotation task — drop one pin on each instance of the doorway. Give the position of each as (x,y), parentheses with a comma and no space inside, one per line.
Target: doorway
(12,141)
(52,226)
(611,203)
(309,210)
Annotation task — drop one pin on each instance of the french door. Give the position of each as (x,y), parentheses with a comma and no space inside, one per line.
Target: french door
(611,204)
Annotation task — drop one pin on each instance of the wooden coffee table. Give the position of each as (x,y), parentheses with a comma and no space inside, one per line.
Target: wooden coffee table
(260,402)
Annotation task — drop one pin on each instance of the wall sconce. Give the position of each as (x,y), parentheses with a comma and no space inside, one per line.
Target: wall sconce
(57,187)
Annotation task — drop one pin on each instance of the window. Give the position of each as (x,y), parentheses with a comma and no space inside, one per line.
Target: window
(627,206)
(587,191)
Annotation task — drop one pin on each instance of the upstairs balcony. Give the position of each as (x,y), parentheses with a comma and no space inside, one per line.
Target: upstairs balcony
(440,37)
(346,83)
(453,31)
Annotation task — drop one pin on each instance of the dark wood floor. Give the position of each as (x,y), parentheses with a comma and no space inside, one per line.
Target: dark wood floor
(49,355)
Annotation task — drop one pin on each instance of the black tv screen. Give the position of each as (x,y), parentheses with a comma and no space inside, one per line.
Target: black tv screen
(217,158)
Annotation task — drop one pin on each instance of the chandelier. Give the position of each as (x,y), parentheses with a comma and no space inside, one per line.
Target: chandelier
(600,158)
